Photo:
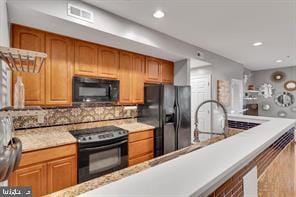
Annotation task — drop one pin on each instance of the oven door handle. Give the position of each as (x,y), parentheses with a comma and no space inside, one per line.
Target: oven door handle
(104,147)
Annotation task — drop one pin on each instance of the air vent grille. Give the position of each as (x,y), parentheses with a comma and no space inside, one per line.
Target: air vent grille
(80,13)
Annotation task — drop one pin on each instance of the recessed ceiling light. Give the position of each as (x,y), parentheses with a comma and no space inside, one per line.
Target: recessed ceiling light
(158,14)
(256,44)
(278,61)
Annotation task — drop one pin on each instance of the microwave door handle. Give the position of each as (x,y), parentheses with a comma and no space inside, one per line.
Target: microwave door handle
(110,88)
(104,147)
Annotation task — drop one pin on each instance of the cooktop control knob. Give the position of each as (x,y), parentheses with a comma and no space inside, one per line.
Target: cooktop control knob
(89,137)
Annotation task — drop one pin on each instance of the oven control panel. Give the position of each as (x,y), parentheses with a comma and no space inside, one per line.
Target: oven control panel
(102,136)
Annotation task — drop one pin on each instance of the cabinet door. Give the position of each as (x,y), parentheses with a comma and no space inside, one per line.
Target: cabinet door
(138,79)
(34,176)
(167,72)
(108,62)
(125,73)
(153,70)
(59,65)
(62,173)
(86,58)
(30,39)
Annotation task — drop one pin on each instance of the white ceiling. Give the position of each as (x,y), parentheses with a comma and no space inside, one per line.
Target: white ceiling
(225,27)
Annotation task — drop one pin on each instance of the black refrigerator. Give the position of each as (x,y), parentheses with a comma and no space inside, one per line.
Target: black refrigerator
(167,108)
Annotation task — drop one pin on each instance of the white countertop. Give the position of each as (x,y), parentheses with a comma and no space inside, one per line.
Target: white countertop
(200,172)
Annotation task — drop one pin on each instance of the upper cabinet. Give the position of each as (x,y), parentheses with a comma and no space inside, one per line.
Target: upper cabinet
(108,62)
(153,70)
(30,39)
(131,74)
(59,68)
(86,58)
(167,72)
(68,57)
(125,76)
(138,79)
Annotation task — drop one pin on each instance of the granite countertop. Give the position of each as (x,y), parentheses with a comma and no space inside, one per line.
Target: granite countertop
(41,138)
(135,127)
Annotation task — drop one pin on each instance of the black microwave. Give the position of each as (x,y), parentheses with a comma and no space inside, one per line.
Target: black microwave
(87,89)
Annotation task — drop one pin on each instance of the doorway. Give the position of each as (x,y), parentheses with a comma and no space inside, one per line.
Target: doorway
(201,90)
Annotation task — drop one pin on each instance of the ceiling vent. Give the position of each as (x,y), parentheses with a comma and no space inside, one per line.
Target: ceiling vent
(80,13)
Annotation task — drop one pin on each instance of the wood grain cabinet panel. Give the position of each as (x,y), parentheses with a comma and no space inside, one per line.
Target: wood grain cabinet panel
(108,62)
(167,72)
(61,174)
(140,147)
(125,76)
(30,39)
(47,170)
(138,79)
(86,58)
(140,159)
(59,66)
(34,176)
(153,70)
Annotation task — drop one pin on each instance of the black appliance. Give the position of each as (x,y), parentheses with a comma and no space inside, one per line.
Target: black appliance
(100,151)
(95,90)
(168,109)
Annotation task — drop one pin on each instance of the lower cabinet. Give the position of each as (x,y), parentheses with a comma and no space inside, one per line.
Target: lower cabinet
(47,170)
(61,173)
(34,175)
(140,147)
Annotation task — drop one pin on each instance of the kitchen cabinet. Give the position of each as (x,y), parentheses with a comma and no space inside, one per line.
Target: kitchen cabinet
(131,78)
(153,70)
(138,79)
(68,57)
(59,68)
(108,59)
(167,72)
(65,166)
(30,39)
(47,170)
(125,76)
(86,62)
(140,147)
(34,176)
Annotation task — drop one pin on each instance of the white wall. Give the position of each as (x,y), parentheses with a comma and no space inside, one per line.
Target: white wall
(4,41)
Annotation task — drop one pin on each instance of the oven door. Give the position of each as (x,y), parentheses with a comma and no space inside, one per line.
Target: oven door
(100,160)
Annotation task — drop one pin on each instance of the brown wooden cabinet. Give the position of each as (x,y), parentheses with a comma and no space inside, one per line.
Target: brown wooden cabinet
(65,166)
(108,62)
(167,72)
(59,69)
(86,60)
(140,147)
(53,85)
(125,76)
(47,170)
(131,74)
(153,71)
(30,39)
(34,176)
(138,79)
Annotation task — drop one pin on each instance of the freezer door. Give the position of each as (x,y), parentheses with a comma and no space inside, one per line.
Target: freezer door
(184,116)
(150,113)
(169,119)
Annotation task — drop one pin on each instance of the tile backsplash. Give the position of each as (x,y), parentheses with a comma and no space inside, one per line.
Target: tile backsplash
(78,114)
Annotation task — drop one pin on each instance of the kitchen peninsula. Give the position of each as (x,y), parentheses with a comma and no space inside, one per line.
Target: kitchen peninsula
(199,172)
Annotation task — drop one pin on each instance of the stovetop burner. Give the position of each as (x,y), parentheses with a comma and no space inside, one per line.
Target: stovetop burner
(98,134)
